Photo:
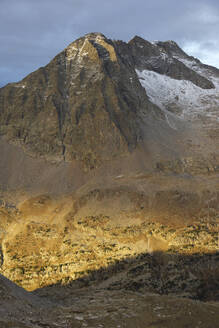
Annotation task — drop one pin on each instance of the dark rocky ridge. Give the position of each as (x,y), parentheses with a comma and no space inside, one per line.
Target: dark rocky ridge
(172,49)
(160,58)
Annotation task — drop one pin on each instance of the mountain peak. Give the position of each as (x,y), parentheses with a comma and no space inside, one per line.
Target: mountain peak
(140,41)
(172,43)
(95,36)
(171,48)
(94,46)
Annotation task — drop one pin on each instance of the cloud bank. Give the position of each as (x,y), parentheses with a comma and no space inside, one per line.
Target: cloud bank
(33,32)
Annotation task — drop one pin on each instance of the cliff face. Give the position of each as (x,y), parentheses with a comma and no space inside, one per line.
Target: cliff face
(81,106)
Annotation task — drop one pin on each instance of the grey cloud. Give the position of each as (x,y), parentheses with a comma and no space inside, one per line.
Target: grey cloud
(32,32)
(207,52)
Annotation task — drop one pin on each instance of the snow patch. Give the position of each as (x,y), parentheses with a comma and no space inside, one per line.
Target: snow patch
(23,86)
(81,52)
(155,60)
(195,66)
(185,98)
(71,52)
(155,42)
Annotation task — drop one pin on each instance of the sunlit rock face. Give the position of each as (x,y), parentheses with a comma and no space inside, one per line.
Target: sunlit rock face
(109,153)
(75,108)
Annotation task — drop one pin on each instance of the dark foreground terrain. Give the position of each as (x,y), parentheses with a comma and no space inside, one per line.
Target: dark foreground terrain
(122,296)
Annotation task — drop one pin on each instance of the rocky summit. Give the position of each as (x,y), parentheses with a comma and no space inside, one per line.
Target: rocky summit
(109,189)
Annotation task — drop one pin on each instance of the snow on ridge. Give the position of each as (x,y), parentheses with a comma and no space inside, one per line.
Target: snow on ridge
(155,42)
(195,66)
(188,99)
(18,85)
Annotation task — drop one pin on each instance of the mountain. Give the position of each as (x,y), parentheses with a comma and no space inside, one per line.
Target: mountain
(79,107)
(109,173)
(87,103)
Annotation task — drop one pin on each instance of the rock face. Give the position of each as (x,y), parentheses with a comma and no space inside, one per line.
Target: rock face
(160,57)
(109,169)
(86,103)
(80,106)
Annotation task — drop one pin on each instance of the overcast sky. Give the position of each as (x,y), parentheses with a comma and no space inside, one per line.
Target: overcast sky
(32,32)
